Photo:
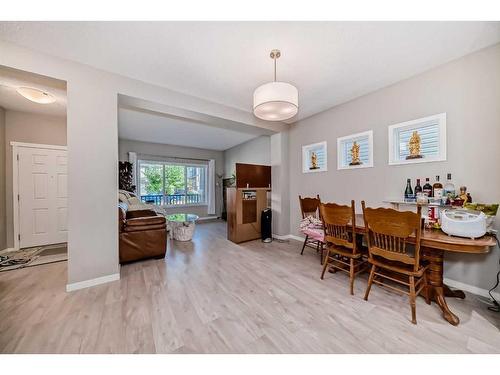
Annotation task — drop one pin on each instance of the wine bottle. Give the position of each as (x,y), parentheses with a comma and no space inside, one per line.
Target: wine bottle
(418,188)
(408,190)
(437,189)
(427,189)
(449,188)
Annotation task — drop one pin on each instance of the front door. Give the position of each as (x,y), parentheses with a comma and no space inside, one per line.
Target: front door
(43,198)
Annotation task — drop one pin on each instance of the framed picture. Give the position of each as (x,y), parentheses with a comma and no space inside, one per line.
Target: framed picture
(355,151)
(314,158)
(418,141)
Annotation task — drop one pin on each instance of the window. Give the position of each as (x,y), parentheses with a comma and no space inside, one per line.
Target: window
(344,145)
(170,184)
(432,133)
(314,158)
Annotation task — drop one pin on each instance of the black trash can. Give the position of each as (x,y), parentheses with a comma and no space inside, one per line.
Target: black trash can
(266,225)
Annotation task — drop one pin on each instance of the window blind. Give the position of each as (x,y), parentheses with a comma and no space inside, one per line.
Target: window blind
(429,139)
(320,154)
(363,143)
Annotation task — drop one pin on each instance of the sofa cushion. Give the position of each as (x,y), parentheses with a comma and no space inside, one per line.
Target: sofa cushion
(122,197)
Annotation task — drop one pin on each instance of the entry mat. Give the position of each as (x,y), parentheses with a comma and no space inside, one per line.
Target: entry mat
(33,256)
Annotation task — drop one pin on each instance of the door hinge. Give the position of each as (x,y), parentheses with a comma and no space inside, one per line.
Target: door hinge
(17,157)
(19,237)
(18,198)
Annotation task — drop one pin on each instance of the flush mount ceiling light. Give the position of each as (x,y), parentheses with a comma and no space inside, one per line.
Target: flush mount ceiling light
(36,95)
(275,101)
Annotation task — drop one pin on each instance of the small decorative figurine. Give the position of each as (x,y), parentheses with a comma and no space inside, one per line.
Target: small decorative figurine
(314,161)
(463,193)
(414,146)
(355,154)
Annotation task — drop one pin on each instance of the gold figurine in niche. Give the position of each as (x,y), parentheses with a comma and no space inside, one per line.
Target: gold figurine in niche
(414,146)
(314,161)
(355,154)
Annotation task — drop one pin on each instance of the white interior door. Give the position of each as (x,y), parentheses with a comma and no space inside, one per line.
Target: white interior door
(43,198)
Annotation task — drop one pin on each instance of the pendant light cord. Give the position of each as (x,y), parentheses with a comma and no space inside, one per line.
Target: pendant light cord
(275,58)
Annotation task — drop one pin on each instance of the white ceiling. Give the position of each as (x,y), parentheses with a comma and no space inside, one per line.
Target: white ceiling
(329,62)
(11,79)
(149,127)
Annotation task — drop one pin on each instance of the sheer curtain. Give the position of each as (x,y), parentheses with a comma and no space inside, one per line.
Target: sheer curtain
(211,187)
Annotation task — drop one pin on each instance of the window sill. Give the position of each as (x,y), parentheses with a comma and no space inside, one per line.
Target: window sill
(416,161)
(183,205)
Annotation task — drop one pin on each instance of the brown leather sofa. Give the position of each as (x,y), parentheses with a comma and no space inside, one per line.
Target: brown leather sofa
(142,234)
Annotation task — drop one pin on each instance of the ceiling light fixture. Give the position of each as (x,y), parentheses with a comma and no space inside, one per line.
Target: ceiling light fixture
(275,101)
(36,95)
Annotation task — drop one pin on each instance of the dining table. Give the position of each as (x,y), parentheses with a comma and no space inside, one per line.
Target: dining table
(434,244)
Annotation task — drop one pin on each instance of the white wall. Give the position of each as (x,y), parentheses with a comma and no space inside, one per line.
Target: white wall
(29,128)
(468,90)
(3,216)
(280,194)
(163,150)
(254,151)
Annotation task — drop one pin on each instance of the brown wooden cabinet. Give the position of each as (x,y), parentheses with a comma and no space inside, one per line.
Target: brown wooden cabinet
(244,207)
(253,176)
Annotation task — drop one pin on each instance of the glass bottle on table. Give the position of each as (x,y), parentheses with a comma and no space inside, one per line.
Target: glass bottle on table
(409,191)
(420,197)
(449,188)
(427,188)
(418,187)
(437,189)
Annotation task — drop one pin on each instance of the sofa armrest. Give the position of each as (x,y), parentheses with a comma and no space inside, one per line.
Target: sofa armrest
(146,221)
(140,224)
(133,214)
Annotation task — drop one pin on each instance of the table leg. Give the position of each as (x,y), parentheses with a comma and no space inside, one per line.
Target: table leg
(436,289)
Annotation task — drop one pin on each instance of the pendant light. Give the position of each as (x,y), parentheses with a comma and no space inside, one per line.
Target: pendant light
(36,95)
(275,101)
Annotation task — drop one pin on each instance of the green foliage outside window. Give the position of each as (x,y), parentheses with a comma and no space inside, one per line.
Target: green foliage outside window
(154,177)
(174,178)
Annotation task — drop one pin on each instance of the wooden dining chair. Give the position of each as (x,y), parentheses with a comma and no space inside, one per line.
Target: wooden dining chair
(343,251)
(387,234)
(314,238)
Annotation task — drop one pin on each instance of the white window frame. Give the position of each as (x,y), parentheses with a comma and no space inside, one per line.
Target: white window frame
(413,124)
(185,165)
(340,155)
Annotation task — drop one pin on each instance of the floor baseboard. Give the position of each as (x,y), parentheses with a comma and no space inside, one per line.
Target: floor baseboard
(288,237)
(471,288)
(7,250)
(92,282)
(208,218)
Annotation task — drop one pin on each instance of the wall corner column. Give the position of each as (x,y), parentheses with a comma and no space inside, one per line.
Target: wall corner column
(280,195)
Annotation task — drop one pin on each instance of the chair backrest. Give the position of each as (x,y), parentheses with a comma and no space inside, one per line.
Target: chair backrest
(309,206)
(388,232)
(339,223)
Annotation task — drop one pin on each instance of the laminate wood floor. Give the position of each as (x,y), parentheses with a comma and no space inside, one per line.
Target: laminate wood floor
(213,296)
